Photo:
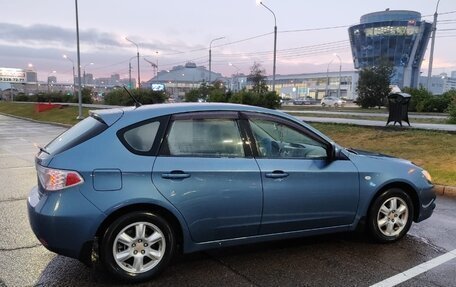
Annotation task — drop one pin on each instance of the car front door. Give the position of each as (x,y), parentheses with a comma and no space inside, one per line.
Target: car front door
(206,170)
(302,188)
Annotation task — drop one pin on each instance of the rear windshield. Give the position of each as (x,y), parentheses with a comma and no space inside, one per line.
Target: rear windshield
(82,131)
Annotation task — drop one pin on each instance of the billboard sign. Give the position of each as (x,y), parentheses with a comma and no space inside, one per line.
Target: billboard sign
(158,87)
(9,75)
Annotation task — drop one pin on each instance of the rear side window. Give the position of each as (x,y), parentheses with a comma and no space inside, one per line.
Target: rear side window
(204,138)
(79,133)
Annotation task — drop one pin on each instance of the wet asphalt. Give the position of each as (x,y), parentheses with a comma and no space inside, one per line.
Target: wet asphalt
(346,259)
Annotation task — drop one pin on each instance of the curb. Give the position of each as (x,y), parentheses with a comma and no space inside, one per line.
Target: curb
(445,190)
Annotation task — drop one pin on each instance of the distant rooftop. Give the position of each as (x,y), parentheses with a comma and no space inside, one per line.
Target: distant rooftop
(391,15)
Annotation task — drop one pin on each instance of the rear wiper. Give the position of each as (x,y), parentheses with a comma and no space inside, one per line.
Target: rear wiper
(42,149)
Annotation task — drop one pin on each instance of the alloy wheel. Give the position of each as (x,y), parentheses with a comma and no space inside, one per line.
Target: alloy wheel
(392,217)
(139,247)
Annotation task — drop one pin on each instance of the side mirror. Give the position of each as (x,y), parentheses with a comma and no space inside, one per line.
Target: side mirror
(332,152)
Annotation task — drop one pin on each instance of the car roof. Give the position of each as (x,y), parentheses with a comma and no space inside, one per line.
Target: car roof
(147,111)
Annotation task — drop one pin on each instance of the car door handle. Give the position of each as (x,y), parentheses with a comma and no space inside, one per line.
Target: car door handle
(175,174)
(277,174)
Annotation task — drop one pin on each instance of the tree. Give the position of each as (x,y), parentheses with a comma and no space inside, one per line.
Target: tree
(144,96)
(452,107)
(258,79)
(374,85)
(209,93)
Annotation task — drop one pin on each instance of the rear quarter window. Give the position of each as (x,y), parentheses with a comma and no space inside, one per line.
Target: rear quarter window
(143,138)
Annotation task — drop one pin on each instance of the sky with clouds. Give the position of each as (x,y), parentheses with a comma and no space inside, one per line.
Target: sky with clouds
(173,32)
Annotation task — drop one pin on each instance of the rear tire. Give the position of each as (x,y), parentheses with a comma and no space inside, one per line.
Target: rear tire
(137,246)
(390,216)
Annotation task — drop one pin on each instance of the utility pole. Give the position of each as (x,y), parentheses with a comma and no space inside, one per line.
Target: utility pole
(210,56)
(275,46)
(431,54)
(80,117)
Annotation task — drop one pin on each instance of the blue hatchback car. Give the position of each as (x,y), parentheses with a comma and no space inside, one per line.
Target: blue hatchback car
(130,187)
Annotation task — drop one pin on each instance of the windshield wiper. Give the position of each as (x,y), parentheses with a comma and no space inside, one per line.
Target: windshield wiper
(351,150)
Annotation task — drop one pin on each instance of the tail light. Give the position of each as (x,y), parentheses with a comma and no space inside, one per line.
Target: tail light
(57,179)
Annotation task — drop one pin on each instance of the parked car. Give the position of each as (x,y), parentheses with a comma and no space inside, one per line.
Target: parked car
(132,186)
(305,101)
(332,102)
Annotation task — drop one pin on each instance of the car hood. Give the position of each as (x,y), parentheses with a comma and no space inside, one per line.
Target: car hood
(377,155)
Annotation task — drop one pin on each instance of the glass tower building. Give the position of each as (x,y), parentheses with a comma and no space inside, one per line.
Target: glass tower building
(395,35)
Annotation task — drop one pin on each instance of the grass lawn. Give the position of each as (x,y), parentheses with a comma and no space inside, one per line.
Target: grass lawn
(64,115)
(435,151)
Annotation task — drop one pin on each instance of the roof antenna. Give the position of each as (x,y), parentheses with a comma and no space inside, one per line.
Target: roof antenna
(137,103)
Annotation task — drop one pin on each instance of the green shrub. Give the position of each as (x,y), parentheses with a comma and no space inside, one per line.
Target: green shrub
(21,98)
(419,97)
(452,109)
(268,100)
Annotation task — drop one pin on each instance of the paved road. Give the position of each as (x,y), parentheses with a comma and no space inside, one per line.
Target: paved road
(334,260)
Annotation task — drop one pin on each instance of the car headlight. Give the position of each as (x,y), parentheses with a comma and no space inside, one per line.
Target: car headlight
(426,175)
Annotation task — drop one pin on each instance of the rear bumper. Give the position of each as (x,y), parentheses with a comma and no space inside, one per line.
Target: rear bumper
(63,221)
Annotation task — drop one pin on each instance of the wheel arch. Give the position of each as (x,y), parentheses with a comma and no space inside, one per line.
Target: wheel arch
(409,189)
(148,207)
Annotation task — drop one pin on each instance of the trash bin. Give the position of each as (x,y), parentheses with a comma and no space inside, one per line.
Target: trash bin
(398,108)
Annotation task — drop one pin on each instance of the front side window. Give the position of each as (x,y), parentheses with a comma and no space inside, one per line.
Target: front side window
(204,138)
(276,140)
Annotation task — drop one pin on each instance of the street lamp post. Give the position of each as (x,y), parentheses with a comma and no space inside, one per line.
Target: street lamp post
(84,72)
(327,77)
(72,62)
(275,46)
(80,117)
(210,56)
(137,55)
(340,72)
(431,54)
(129,72)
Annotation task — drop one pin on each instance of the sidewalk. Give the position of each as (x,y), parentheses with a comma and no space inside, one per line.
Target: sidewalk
(423,126)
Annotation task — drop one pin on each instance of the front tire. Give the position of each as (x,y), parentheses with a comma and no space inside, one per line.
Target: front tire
(137,246)
(390,216)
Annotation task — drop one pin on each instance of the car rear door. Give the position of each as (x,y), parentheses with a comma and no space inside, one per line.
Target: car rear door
(206,170)
(302,188)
